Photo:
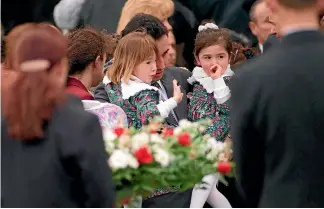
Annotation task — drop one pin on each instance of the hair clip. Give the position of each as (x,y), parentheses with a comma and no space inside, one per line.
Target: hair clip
(35,65)
(107,64)
(206,26)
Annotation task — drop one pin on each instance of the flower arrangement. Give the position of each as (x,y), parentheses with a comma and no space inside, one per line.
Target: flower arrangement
(146,159)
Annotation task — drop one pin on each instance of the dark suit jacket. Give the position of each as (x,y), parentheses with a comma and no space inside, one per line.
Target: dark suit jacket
(179,74)
(101,14)
(278,124)
(227,14)
(270,42)
(16,12)
(66,168)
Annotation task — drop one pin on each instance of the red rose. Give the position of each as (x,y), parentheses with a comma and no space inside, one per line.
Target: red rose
(184,139)
(119,131)
(224,167)
(168,132)
(126,200)
(144,156)
(152,131)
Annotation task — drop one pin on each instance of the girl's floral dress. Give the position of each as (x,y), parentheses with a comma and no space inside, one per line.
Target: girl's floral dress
(140,101)
(210,100)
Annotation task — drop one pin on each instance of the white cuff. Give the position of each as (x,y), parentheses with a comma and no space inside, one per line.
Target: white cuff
(166,107)
(221,92)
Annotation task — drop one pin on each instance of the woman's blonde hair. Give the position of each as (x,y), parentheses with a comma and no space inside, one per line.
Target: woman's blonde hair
(162,9)
(131,50)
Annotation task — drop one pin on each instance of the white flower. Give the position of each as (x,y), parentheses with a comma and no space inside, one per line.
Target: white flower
(155,138)
(118,159)
(139,140)
(109,138)
(177,131)
(215,145)
(185,124)
(222,157)
(132,162)
(109,135)
(202,129)
(124,141)
(163,157)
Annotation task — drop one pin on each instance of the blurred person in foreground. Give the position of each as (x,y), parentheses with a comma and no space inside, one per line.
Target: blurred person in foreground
(278,129)
(53,152)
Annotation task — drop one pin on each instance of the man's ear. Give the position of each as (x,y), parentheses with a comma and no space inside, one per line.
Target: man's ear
(253,28)
(197,61)
(97,62)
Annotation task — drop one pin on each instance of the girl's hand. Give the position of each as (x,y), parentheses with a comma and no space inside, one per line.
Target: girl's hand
(215,71)
(177,94)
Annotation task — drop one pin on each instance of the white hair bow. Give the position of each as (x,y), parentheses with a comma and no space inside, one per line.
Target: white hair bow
(206,26)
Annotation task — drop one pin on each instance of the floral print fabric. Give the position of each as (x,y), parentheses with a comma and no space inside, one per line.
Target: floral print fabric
(203,105)
(140,108)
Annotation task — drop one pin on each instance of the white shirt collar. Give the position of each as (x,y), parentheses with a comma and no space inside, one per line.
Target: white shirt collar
(261,47)
(199,75)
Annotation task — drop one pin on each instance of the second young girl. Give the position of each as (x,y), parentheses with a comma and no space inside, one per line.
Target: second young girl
(130,78)
(209,99)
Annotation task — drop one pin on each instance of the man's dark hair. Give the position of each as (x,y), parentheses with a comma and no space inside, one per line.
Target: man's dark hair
(298,4)
(152,25)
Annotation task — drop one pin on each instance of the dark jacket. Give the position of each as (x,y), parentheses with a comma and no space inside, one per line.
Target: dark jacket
(101,14)
(278,124)
(66,168)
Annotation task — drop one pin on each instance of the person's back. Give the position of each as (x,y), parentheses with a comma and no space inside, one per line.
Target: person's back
(53,153)
(59,169)
(294,132)
(278,124)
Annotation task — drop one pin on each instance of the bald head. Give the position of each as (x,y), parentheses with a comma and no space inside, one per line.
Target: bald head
(261,24)
(257,7)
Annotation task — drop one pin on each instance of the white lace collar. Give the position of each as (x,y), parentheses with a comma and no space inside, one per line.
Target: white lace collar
(199,75)
(106,80)
(134,86)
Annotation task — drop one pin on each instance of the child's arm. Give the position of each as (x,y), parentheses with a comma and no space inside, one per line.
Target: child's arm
(148,106)
(221,93)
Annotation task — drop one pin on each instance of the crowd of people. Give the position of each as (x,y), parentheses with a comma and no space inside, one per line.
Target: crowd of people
(64,83)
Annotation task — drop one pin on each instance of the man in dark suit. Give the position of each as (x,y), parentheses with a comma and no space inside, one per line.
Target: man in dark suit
(163,77)
(278,114)
(260,22)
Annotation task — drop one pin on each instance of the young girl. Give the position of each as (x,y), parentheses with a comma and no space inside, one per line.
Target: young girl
(209,99)
(130,77)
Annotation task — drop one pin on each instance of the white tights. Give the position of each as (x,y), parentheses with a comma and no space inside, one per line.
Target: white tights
(209,193)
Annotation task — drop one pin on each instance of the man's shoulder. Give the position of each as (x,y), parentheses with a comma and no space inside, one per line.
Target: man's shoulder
(256,69)
(72,115)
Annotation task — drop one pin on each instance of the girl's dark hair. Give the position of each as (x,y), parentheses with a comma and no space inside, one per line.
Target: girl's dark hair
(210,36)
(29,92)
